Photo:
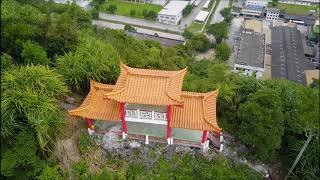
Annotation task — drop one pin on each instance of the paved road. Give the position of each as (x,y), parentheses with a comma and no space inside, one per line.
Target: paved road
(185,22)
(140,22)
(165,39)
(217,16)
(162,41)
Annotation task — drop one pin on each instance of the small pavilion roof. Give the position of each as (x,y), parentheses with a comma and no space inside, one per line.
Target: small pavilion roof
(149,87)
(95,106)
(198,112)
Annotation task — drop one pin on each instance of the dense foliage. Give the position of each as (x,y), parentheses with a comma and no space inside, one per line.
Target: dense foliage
(92,59)
(226,13)
(20,161)
(222,51)
(267,113)
(219,30)
(199,42)
(28,99)
(187,10)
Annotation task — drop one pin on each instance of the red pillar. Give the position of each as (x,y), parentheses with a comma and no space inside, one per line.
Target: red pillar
(124,124)
(89,122)
(169,114)
(204,136)
(217,133)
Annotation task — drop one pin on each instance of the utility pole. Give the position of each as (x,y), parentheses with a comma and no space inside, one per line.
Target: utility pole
(299,156)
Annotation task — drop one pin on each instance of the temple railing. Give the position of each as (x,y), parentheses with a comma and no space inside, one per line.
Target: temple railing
(146,114)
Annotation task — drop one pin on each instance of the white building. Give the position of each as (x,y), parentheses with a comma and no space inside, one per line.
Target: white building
(197,2)
(172,12)
(261,3)
(206,5)
(272,14)
(202,16)
(252,10)
(301,2)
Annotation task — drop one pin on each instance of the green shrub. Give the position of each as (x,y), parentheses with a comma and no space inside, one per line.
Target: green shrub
(134,171)
(133,12)
(112,8)
(129,28)
(199,42)
(6,61)
(34,53)
(84,142)
(187,10)
(94,59)
(20,160)
(109,175)
(80,170)
(28,98)
(262,123)
(222,51)
(51,173)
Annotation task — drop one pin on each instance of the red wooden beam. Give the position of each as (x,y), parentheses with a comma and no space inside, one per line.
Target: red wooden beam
(204,136)
(124,124)
(217,133)
(169,112)
(89,122)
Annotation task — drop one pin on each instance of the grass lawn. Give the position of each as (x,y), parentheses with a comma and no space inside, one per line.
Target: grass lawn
(295,9)
(195,27)
(124,8)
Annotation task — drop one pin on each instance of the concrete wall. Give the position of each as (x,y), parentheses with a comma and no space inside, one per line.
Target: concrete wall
(249,70)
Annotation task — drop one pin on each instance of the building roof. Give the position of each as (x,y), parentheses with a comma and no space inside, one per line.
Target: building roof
(174,8)
(149,87)
(206,5)
(253,7)
(311,75)
(288,60)
(251,51)
(198,112)
(202,15)
(311,1)
(95,106)
(253,24)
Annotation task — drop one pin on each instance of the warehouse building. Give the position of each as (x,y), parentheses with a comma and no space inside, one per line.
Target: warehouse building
(172,12)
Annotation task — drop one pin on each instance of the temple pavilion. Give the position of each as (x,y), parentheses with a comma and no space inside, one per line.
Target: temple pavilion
(151,104)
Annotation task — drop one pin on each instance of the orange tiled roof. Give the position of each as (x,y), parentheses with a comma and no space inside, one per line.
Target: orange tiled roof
(96,107)
(149,87)
(198,112)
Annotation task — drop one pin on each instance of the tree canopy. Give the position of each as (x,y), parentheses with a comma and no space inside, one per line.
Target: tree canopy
(219,30)
(222,51)
(262,122)
(93,59)
(28,97)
